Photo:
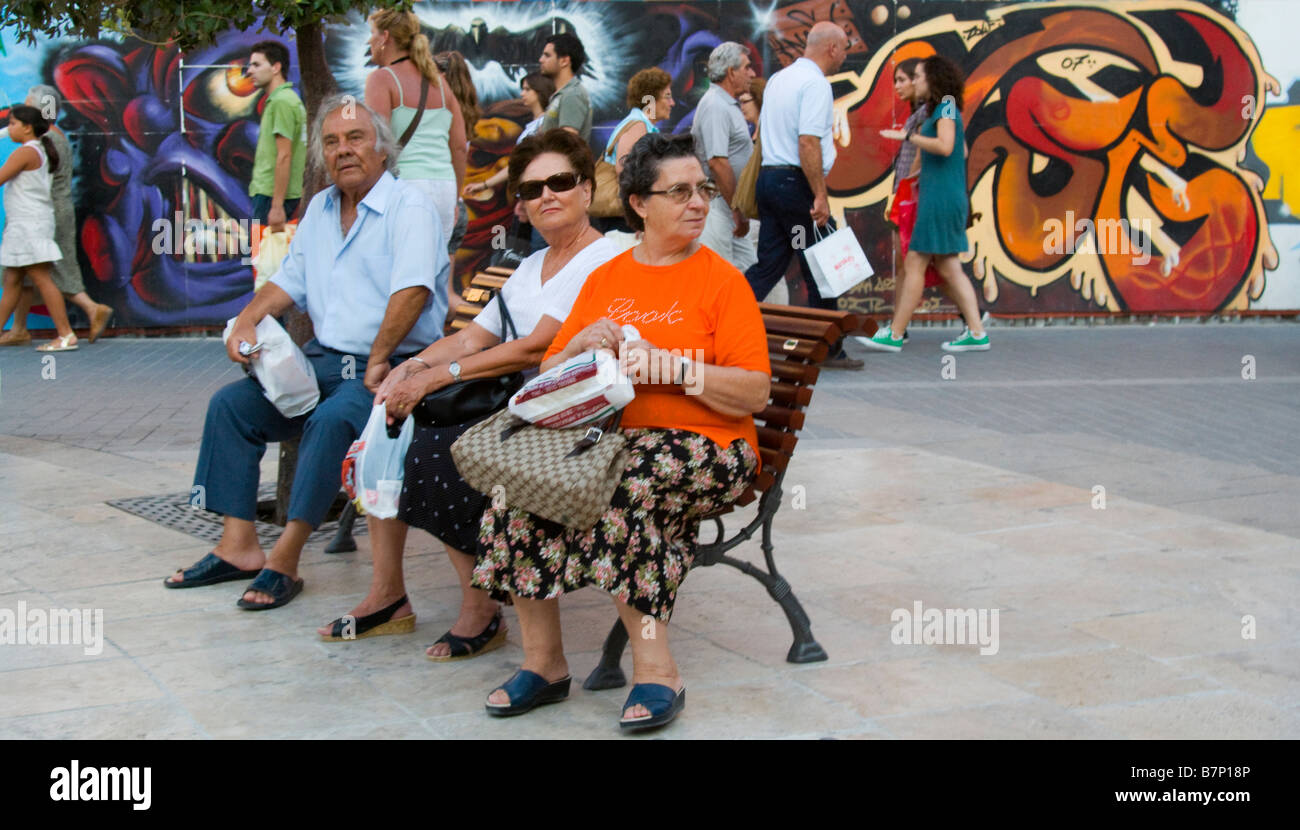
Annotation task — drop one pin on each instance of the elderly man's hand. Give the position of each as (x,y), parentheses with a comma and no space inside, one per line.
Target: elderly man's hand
(243,332)
(376,371)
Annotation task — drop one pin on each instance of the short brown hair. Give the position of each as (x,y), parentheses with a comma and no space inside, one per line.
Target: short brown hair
(559,141)
(650,82)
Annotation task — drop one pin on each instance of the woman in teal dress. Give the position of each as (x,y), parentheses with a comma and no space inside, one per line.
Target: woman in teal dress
(941,210)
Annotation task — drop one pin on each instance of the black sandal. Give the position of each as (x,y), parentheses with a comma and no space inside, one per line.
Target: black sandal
(210,570)
(371,625)
(275,584)
(492,637)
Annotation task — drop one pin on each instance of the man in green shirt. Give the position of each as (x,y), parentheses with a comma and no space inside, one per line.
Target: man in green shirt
(281,153)
(569,108)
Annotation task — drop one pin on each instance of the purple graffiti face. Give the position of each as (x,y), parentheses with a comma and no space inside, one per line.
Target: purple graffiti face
(170,144)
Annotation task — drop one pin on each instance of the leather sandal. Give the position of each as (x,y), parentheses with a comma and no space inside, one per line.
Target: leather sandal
(274,583)
(527,691)
(209,570)
(660,701)
(66,343)
(492,637)
(371,625)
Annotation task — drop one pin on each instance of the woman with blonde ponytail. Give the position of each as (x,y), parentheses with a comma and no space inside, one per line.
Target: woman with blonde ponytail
(434,156)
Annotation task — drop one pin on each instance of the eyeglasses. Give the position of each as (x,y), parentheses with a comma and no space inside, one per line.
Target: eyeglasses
(748,99)
(681,193)
(559,183)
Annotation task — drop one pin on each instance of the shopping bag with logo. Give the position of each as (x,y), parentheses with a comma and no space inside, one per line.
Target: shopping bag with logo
(375,463)
(837,261)
(280,368)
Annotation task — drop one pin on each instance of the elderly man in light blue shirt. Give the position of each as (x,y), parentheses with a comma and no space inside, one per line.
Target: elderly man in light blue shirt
(370,267)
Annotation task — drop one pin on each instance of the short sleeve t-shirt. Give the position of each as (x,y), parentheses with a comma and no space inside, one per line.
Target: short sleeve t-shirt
(528,298)
(701,308)
(283,115)
(569,107)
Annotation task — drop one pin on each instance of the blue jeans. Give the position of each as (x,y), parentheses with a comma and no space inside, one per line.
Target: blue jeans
(241,422)
(262,208)
(784,201)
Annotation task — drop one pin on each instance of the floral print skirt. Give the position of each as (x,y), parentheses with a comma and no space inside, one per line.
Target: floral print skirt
(641,548)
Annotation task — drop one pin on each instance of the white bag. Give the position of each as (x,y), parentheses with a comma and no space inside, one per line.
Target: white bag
(272,248)
(586,387)
(281,369)
(375,463)
(837,261)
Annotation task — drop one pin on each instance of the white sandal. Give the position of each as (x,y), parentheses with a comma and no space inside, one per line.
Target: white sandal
(67,343)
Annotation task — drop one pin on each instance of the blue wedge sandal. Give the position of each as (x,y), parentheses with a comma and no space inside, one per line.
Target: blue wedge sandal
(660,701)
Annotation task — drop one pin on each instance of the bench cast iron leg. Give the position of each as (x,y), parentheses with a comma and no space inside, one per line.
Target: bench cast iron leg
(608,674)
(343,541)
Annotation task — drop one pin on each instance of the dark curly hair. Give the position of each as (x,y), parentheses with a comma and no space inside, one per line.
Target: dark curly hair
(650,82)
(641,168)
(944,78)
(562,142)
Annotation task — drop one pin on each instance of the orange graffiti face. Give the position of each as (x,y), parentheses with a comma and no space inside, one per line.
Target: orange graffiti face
(1096,154)
(1086,135)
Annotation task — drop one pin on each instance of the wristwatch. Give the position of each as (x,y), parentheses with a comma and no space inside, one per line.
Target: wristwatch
(682,367)
(454,368)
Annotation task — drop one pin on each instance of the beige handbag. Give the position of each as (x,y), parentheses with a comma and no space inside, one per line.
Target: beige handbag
(564,475)
(745,198)
(605,202)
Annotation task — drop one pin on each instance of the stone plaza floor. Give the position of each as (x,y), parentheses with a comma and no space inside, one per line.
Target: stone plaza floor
(976,483)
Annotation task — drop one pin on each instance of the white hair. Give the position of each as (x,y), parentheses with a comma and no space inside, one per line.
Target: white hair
(44,97)
(725,57)
(384,141)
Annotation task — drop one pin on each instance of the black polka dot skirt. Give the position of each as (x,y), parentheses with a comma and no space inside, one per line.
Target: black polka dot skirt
(434,496)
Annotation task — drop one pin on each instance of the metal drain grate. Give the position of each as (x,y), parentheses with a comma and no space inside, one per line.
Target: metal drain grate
(175,512)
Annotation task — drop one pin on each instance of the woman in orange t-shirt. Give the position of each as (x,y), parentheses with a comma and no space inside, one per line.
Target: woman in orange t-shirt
(702,370)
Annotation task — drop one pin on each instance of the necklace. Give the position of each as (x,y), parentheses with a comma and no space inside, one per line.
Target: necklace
(399,60)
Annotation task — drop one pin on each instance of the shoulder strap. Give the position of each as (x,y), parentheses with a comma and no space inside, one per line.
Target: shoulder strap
(419,113)
(506,319)
(401,99)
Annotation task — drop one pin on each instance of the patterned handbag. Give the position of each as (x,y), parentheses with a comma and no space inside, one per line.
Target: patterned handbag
(564,475)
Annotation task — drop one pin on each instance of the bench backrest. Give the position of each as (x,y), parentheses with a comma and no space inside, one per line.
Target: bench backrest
(798,340)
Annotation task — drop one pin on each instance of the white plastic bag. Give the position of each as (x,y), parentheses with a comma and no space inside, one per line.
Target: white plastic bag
(374,465)
(587,387)
(283,371)
(837,262)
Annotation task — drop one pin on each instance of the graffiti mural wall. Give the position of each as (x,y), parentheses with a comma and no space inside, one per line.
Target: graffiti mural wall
(1123,156)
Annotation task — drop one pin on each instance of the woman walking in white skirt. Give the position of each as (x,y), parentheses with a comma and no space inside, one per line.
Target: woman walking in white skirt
(28,247)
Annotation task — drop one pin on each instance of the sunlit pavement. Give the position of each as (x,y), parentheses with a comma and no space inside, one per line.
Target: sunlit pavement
(1126,497)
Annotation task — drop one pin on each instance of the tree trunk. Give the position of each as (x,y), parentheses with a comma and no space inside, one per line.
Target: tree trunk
(317,84)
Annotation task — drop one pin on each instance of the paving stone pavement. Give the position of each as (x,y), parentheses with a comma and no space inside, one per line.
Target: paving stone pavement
(974,492)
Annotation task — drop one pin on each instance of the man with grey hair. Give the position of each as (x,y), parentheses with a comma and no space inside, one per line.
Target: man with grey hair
(723,146)
(65,272)
(360,265)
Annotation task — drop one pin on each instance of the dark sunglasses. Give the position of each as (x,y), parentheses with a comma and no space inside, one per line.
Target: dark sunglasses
(559,183)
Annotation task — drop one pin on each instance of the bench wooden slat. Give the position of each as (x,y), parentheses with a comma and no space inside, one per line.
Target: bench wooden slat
(783,346)
(794,371)
(790,396)
(773,461)
(777,439)
(491,281)
(795,327)
(845,321)
(781,417)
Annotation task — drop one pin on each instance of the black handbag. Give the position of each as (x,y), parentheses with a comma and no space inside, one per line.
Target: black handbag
(470,400)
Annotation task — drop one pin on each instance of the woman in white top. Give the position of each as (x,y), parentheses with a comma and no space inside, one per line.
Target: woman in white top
(434,158)
(28,247)
(552,174)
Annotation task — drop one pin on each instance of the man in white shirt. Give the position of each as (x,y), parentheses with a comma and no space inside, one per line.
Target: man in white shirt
(798,151)
(723,145)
